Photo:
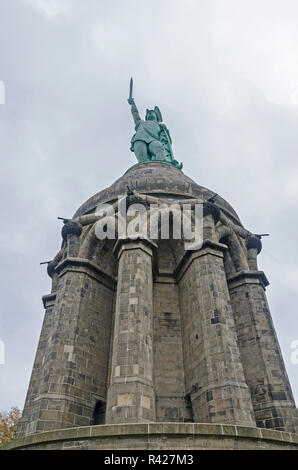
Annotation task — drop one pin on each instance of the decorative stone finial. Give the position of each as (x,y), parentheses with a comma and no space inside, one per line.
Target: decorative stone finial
(254,242)
(71,228)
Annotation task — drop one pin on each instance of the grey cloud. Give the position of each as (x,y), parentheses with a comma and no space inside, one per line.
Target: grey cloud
(65,132)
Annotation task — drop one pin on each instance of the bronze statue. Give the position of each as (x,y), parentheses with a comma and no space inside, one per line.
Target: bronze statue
(152,140)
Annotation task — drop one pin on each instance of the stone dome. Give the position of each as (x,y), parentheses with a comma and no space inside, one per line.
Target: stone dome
(157,179)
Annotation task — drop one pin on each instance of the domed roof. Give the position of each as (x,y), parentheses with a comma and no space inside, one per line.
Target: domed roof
(157,179)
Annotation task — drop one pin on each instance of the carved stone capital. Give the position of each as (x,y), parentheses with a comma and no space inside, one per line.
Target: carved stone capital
(129,244)
(247,277)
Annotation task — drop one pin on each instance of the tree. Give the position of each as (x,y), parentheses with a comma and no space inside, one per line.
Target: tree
(8,424)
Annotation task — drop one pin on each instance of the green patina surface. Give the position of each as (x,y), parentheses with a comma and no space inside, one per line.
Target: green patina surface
(152,140)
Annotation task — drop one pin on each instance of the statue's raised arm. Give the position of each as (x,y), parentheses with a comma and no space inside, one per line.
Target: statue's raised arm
(134,109)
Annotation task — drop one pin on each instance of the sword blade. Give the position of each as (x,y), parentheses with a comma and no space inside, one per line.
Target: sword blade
(130,88)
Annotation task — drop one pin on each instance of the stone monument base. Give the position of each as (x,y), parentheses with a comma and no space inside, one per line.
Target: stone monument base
(155,436)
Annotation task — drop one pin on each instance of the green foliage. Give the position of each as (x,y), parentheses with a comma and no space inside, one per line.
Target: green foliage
(8,424)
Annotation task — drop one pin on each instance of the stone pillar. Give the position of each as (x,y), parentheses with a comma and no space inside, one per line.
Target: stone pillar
(71,232)
(264,369)
(131,396)
(28,422)
(70,373)
(254,247)
(214,375)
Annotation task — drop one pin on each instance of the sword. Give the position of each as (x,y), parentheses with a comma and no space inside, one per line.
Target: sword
(130,90)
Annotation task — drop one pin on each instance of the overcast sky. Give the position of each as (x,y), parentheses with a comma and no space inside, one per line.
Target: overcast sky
(225,76)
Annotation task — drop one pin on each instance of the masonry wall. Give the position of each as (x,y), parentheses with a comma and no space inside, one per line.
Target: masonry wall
(155,334)
(214,375)
(131,396)
(27,424)
(70,371)
(159,436)
(171,401)
(264,368)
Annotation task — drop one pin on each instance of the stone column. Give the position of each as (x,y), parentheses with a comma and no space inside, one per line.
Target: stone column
(131,396)
(214,375)
(71,232)
(71,368)
(254,246)
(28,422)
(264,368)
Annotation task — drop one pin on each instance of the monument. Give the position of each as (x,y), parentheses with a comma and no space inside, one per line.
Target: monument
(152,141)
(148,345)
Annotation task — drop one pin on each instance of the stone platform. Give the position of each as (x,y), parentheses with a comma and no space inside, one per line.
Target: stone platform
(158,436)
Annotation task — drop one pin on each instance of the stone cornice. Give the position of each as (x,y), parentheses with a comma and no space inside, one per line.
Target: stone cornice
(49,300)
(87,266)
(129,244)
(247,277)
(209,247)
